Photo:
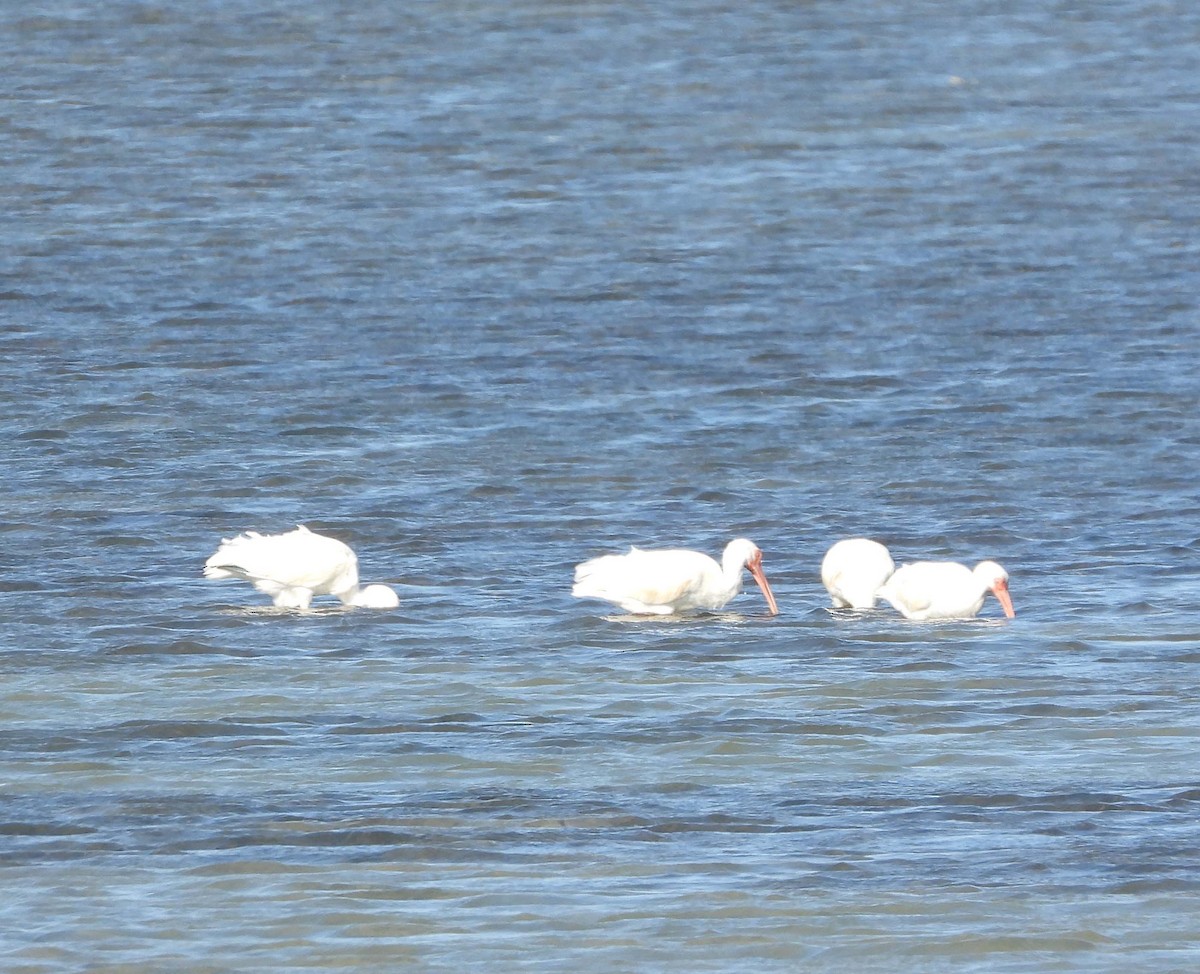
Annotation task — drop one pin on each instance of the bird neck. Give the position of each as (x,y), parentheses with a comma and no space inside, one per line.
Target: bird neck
(731,571)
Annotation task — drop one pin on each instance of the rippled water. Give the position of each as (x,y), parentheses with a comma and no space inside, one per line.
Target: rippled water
(487,289)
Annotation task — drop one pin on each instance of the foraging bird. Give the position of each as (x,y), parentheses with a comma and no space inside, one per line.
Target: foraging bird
(853,570)
(294,567)
(675,580)
(946,589)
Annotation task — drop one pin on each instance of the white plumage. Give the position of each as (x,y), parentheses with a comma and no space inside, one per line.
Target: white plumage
(853,570)
(946,589)
(294,567)
(673,580)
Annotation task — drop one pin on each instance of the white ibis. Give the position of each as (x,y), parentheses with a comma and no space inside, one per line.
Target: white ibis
(946,589)
(853,570)
(294,567)
(674,580)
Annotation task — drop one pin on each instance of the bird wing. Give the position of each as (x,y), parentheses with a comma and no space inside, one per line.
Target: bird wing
(833,582)
(833,577)
(911,586)
(665,577)
(853,571)
(297,559)
(648,577)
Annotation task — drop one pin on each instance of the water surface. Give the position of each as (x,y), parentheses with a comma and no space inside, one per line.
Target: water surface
(487,289)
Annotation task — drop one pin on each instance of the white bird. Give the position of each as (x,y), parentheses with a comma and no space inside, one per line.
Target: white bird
(946,589)
(293,567)
(674,580)
(853,570)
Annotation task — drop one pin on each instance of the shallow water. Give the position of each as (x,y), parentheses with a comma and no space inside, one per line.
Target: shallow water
(487,289)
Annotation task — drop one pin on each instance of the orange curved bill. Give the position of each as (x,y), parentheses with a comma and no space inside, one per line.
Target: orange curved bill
(757,572)
(1001,590)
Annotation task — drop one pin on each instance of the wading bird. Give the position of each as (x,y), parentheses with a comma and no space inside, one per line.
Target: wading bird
(853,570)
(294,567)
(946,589)
(674,580)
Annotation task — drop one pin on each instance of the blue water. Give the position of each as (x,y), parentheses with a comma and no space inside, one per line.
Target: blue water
(487,289)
